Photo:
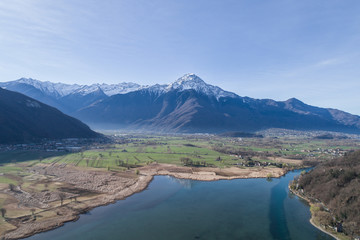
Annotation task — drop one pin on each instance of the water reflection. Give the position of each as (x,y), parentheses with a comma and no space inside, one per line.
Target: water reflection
(185,183)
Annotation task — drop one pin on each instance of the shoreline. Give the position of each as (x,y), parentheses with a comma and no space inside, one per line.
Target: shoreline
(27,231)
(312,218)
(71,211)
(323,230)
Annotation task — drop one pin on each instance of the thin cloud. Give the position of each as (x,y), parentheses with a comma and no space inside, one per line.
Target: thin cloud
(328,62)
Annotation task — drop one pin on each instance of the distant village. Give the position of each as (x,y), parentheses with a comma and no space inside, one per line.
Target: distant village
(61,145)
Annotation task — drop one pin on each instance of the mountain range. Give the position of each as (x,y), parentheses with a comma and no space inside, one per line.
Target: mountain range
(187,105)
(24,119)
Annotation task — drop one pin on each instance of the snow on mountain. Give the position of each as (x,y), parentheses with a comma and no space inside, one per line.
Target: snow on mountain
(108,89)
(58,90)
(53,89)
(155,89)
(188,81)
(191,81)
(120,88)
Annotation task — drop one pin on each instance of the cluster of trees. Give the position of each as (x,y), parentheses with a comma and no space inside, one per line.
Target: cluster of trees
(126,163)
(241,135)
(234,151)
(189,162)
(336,184)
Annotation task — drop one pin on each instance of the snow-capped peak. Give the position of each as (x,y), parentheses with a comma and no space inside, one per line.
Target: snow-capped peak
(192,81)
(108,89)
(54,89)
(188,81)
(59,90)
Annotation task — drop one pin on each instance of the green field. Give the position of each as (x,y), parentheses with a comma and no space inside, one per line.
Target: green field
(201,150)
(138,154)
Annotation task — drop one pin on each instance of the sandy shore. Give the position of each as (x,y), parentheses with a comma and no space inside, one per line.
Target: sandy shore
(111,187)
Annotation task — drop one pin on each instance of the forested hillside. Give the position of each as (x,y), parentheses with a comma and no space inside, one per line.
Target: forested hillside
(336,184)
(23,119)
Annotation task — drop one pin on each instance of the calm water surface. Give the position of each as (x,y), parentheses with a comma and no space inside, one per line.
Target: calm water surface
(185,209)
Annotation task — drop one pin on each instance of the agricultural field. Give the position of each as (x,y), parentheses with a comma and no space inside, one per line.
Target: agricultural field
(193,150)
(22,174)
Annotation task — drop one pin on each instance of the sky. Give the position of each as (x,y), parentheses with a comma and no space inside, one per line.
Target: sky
(275,49)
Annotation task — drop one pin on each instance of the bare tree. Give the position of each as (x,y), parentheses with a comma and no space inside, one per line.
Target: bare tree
(3,212)
(11,187)
(62,197)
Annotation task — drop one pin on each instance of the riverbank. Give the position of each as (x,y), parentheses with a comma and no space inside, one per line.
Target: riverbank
(85,189)
(312,217)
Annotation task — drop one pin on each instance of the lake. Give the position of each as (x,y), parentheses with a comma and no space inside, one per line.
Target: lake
(184,209)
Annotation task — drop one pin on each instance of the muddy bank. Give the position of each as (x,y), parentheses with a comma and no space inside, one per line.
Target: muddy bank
(211,174)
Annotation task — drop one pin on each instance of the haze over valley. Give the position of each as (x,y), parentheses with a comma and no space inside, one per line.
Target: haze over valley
(179,120)
(188,104)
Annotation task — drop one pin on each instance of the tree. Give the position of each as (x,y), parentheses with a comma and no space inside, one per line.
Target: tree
(3,212)
(11,187)
(62,197)
(186,161)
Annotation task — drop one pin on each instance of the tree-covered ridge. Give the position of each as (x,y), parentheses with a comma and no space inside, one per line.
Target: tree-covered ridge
(24,119)
(336,184)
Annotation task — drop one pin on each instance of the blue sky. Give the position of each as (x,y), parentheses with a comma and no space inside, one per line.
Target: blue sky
(263,49)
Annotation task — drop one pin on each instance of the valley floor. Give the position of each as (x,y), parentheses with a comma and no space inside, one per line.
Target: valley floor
(42,189)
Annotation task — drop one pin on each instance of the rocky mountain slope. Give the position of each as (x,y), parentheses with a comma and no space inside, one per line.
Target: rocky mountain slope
(187,105)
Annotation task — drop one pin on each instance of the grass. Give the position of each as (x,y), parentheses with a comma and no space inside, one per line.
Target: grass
(164,149)
(23,156)
(7,180)
(10,169)
(140,155)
